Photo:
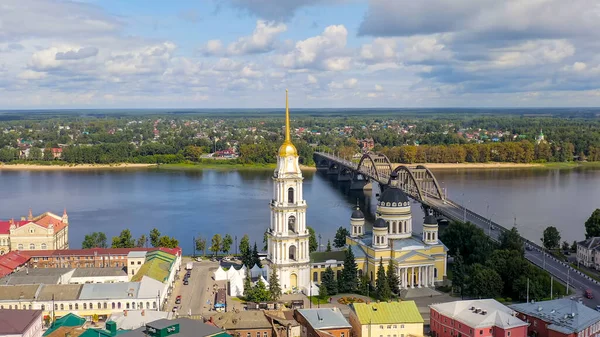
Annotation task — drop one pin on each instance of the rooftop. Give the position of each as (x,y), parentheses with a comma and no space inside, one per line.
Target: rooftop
(187,328)
(137,318)
(157,266)
(325,318)
(18,292)
(387,312)
(252,319)
(98,251)
(99,272)
(36,276)
(480,313)
(68,322)
(97,291)
(564,315)
(61,292)
(317,257)
(16,322)
(136,254)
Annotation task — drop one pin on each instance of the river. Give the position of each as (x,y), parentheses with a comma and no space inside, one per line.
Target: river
(185,204)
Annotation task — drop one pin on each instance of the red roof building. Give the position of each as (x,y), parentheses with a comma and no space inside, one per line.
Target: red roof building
(45,231)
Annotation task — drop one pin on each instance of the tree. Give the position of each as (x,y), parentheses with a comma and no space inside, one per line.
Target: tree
(364,287)
(94,240)
(393,278)
(265,241)
(226,244)
(382,286)
(312,240)
(192,152)
(565,246)
(255,257)
(511,240)
(154,237)
(340,237)
(247,285)
(168,242)
(574,246)
(259,293)
(274,287)
(328,278)
(349,278)
(201,245)
(124,240)
(323,291)
(551,238)
(328,246)
(485,282)
(592,224)
(35,153)
(458,274)
(141,242)
(245,245)
(216,244)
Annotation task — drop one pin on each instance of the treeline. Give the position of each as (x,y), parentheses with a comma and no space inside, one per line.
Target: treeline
(514,152)
(126,240)
(485,269)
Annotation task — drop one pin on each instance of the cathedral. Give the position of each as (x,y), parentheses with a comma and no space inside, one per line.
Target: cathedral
(288,251)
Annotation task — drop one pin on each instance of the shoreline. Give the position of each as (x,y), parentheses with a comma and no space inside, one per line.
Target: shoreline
(67,167)
(494,165)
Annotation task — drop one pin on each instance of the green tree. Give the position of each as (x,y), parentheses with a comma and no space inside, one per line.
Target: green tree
(154,237)
(592,224)
(551,238)
(247,285)
(511,240)
(168,242)
(35,153)
(124,240)
(565,246)
(265,241)
(259,293)
(393,278)
(340,237)
(364,287)
(216,244)
(328,278)
(141,242)
(349,276)
(485,282)
(458,274)
(312,240)
(382,286)
(226,244)
(201,245)
(255,257)
(94,240)
(245,245)
(323,291)
(192,152)
(274,287)
(328,249)
(574,246)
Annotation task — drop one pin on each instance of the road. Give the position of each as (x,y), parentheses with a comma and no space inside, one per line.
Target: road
(559,269)
(195,295)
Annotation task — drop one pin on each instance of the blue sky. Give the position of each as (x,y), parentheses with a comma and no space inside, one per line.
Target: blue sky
(329,53)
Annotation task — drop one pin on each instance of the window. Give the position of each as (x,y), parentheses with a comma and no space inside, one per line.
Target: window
(44,246)
(389,326)
(535,323)
(139,262)
(508,334)
(481,332)
(20,246)
(132,263)
(105,305)
(395,326)
(258,334)
(248,334)
(32,246)
(342,334)
(292,223)
(84,306)
(401,326)
(76,306)
(315,277)
(265,334)
(381,327)
(62,307)
(43,307)
(290,198)
(70,306)
(31,230)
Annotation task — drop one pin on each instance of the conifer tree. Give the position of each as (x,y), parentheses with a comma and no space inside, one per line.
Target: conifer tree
(247,285)
(382,287)
(274,287)
(328,246)
(328,279)
(255,257)
(392,277)
(323,291)
(349,277)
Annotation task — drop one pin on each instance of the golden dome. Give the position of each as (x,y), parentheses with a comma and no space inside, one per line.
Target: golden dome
(287,149)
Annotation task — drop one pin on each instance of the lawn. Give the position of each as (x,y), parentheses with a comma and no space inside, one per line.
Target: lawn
(316,300)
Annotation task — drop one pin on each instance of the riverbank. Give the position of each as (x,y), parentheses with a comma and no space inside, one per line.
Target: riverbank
(68,167)
(443,166)
(209,166)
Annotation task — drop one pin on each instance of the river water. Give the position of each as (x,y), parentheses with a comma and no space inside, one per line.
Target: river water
(185,204)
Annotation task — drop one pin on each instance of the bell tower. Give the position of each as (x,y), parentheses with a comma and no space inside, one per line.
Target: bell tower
(288,236)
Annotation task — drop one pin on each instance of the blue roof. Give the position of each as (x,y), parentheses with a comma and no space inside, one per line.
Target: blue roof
(564,315)
(325,318)
(93,291)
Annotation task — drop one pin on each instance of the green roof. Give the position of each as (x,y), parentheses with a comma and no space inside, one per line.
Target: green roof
(67,320)
(101,333)
(387,312)
(316,257)
(222,334)
(157,266)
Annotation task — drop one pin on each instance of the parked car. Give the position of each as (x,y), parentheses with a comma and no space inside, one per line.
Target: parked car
(175,308)
(528,247)
(598,308)
(185,282)
(178,300)
(589,294)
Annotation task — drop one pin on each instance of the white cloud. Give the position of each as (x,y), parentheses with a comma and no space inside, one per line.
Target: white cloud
(533,53)
(311,79)
(262,40)
(579,66)
(326,51)
(380,50)
(378,87)
(31,75)
(350,83)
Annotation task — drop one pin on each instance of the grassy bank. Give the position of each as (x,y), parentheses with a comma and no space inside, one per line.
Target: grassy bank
(215,166)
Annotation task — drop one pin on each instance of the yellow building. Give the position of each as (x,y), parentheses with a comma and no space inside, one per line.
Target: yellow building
(45,231)
(420,259)
(393,319)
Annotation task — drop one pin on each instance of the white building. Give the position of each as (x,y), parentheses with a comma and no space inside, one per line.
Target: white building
(288,251)
(587,251)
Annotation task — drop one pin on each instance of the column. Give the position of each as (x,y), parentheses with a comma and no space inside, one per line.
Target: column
(433,275)
(420,277)
(427,276)
(403,275)
(412,277)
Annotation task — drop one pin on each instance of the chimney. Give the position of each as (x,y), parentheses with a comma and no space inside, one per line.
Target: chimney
(143,312)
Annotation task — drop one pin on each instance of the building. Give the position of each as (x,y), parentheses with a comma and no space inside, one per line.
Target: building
(283,322)
(288,251)
(251,323)
(420,259)
(323,322)
(133,319)
(21,323)
(559,318)
(12,261)
(67,324)
(475,318)
(540,138)
(181,327)
(586,252)
(394,319)
(45,231)
(366,144)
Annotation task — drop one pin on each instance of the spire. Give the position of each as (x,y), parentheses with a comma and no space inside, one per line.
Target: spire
(65,212)
(287,119)
(30,216)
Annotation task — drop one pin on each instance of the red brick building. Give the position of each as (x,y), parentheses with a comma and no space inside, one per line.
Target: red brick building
(87,258)
(475,318)
(559,318)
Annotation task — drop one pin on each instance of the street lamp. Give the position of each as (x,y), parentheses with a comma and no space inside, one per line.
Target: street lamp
(490,223)
(465,210)
(319,242)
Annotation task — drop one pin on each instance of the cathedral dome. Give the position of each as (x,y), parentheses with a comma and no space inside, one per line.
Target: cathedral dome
(430,220)
(357,214)
(380,223)
(287,149)
(393,196)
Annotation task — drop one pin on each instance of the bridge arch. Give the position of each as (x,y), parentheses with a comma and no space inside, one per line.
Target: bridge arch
(407,177)
(376,165)
(368,164)
(437,188)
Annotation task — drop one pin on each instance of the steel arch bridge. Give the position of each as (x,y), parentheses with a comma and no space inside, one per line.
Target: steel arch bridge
(418,181)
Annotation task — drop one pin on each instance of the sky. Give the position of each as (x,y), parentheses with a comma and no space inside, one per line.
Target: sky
(328,53)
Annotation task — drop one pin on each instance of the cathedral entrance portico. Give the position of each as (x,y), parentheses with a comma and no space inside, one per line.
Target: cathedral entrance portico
(293,281)
(417,276)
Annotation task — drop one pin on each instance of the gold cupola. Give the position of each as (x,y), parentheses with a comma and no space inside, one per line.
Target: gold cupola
(287,148)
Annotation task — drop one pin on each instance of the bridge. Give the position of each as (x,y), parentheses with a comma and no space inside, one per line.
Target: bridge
(420,184)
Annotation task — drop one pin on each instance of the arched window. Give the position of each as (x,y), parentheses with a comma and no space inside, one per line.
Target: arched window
(147,305)
(62,306)
(127,305)
(360,273)
(70,306)
(119,305)
(20,246)
(292,253)
(371,279)
(113,305)
(315,277)
(10,307)
(291,195)
(153,305)
(32,246)
(434,272)
(44,246)
(84,306)
(141,305)
(76,306)
(105,305)
(292,223)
